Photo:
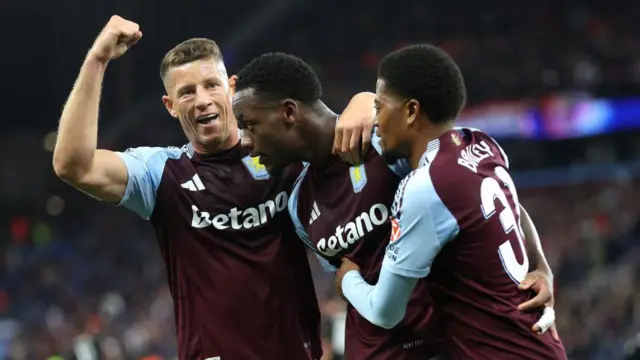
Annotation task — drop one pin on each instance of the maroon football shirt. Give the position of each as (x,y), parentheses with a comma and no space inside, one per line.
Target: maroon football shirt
(457,220)
(239,276)
(342,210)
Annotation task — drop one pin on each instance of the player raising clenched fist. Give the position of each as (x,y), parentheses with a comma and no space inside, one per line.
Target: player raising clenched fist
(115,39)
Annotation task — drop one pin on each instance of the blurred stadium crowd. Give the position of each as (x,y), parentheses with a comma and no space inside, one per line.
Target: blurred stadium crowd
(85,280)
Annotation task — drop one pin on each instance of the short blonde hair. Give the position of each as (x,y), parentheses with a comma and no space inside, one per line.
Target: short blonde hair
(189,51)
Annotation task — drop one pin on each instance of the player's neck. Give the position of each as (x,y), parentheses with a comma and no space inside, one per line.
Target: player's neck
(231,141)
(424,136)
(320,131)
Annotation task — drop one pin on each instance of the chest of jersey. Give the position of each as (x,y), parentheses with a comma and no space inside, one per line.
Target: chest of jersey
(234,196)
(345,211)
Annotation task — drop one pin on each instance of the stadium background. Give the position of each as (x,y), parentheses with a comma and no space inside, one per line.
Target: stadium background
(557,82)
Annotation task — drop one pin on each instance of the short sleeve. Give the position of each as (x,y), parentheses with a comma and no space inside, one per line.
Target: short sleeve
(421,226)
(145,166)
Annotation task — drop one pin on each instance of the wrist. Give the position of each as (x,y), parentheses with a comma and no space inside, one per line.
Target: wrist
(96,62)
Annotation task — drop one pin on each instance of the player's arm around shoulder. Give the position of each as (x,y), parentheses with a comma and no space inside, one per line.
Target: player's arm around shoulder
(353,131)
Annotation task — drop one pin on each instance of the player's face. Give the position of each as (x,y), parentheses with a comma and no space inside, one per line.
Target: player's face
(198,95)
(393,119)
(268,128)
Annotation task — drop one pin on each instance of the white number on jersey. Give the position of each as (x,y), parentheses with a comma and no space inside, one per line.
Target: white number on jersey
(490,190)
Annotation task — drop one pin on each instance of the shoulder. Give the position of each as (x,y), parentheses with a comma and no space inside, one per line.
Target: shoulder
(148,154)
(490,141)
(415,190)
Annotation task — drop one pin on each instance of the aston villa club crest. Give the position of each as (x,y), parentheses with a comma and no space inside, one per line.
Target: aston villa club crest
(256,169)
(358,177)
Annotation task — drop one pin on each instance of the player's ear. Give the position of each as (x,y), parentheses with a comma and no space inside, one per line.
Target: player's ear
(232,85)
(412,108)
(168,104)
(290,111)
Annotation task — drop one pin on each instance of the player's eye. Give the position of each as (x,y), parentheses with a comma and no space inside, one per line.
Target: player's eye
(186,92)
(247,125)
(376,108)
(212,85)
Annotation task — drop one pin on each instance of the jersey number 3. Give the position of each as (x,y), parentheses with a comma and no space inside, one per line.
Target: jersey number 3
(490,191)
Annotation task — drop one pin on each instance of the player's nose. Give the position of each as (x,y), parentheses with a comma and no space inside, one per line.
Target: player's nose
(203,100)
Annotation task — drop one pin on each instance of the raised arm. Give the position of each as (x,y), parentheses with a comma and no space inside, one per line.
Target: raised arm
(76,160)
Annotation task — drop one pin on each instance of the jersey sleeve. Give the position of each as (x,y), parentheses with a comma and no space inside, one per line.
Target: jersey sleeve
(400,167)
(145,166)
(384,304)
(421,226)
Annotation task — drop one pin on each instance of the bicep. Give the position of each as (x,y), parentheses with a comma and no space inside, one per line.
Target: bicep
(107,178)
(130,179)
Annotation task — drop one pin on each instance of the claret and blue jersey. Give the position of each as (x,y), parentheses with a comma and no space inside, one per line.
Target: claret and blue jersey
(239,276)
(343,210)
(456,222)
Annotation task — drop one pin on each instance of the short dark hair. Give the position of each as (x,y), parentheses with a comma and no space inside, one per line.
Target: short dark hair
(427,74)
(281,75)
(189,51)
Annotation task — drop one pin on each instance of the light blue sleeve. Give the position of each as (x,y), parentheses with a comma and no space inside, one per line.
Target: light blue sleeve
(300,230)
(384,304)
(400,167)
(145,166)
(421,226)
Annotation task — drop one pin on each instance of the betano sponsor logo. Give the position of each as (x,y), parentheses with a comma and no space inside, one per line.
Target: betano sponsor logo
(238,219)
(348,234)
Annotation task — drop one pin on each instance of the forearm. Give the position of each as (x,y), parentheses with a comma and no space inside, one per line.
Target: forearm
(78,129)
(537,260)
(385,303)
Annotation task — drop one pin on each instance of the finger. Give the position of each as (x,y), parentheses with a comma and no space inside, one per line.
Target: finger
(538,301)
(346,139)
(337,141)
(547,319)
(354,147)
(134,39)
(525,284)
(554,332)
(366,139)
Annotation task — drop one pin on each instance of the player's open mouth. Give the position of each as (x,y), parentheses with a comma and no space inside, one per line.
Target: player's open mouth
(205,119)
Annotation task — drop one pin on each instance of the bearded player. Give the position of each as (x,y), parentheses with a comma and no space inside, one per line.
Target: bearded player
(339,210)
(456,218)
(239,277)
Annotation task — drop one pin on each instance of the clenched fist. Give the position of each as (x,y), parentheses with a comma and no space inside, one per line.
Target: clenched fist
(115,39)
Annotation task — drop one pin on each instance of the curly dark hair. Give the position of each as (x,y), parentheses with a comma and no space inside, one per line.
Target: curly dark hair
(427,74)
(281,75)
